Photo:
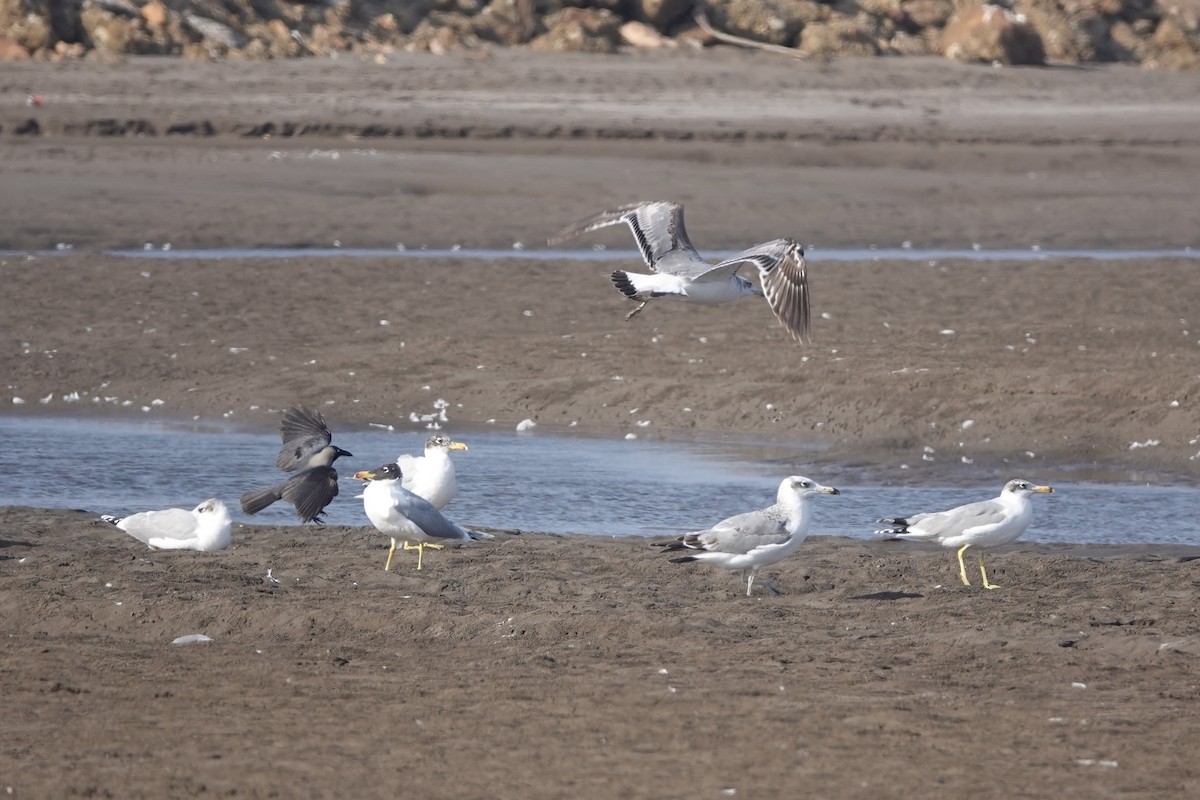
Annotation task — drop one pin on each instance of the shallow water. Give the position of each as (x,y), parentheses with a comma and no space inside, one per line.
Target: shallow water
(1033,253)
(537,482)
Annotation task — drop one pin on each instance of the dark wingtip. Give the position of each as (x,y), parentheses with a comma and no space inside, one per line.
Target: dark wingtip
(621,280)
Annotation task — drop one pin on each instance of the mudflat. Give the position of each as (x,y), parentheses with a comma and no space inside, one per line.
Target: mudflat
(544,666)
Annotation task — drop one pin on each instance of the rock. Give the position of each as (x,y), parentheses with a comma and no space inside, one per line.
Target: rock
(839,37)
(1175,49)
(120,8)
(507,22)
(119,33)
(27,23)
(440,33)
(640,34)
(68,51)
(660,14)
(1072,40)
(11,51)
(215,34)
(772,21)
(991,34)
(1184,14)
(155,14)
(588,30)
(928,13)
(904,43)
(275,40)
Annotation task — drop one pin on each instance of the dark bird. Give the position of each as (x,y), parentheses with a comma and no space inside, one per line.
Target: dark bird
(307,452)
(679,271)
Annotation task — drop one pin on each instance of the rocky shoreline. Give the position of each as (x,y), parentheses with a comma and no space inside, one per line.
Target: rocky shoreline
(1155,34)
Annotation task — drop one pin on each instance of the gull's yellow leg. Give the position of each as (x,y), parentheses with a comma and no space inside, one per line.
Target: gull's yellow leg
(986,584)
(391,552)
(634,313)
(420,548)
(962,568)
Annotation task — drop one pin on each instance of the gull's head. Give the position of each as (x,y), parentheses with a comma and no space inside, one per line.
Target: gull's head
(802,488)
(212,505)
(387,472)
(440,441)
(1024,488)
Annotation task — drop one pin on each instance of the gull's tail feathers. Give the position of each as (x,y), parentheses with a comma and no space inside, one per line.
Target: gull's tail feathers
(898,529)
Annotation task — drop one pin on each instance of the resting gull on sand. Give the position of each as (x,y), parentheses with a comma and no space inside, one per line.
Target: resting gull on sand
(206,527)
(757,538)
(679,271)
(307,452)
(406,517)
(987,523)
(432,475)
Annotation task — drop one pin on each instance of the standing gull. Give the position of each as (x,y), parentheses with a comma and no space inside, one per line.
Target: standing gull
(206,527)
(406,517)
(756,538)
(678,270)
(307,452)
(987,523)
(431,476)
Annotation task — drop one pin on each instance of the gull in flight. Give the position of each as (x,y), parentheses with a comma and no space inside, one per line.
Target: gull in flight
(206,527)
(406,517)
(432,475)
(679,271)
(987,523)
(757,538)
(307,452)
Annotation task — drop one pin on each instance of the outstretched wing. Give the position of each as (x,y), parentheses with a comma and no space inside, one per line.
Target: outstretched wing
(657,228)
(304,433)
(783,276)
(311,490)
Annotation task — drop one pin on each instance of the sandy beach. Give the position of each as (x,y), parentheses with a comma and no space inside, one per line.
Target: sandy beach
(550,666)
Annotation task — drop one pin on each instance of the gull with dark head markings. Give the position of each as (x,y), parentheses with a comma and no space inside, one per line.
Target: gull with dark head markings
(679,271)
(406,517)
(206,527)
(432,475)
(987,523)
(757,538)
(307,451)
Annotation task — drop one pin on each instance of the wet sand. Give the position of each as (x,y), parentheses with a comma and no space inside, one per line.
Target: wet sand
(530,667)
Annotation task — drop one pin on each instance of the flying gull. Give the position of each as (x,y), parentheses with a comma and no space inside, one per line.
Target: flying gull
(307,452)
(756,538)
(987,523)
(431,476)
(679,271)
(206,527)
(406,517)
